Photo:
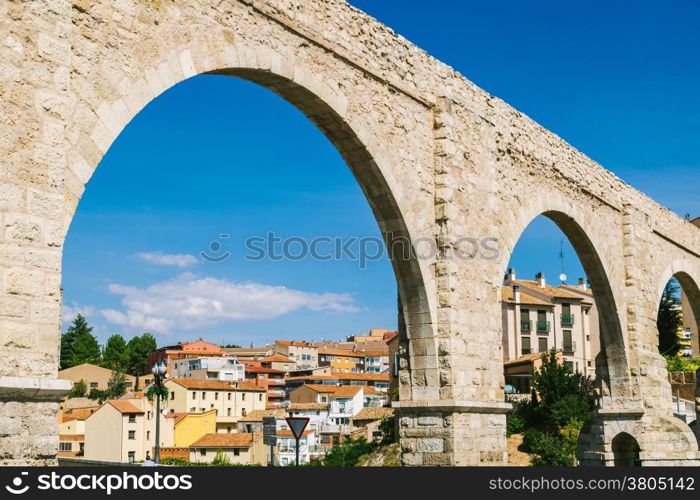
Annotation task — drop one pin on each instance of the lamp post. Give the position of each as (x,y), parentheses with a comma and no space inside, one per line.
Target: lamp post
(159,374)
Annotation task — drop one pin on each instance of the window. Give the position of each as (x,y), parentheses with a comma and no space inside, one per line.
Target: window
(228,429)
(194,395)
(148,435)
(228,412)
(150,415)
(526,345)
(216,396)
(243,412)
(236,452)
(93,385)
(193,409)
(570,365)
(132,434)
(172,395)
(568,344)
(243,397)
(542,344)
(203,452)
(132,418)
(260,397)
(132,457)
(204,395)
(229,396)
(65,446)
(396,364)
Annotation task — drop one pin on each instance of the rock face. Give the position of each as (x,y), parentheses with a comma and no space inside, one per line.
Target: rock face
(452,174)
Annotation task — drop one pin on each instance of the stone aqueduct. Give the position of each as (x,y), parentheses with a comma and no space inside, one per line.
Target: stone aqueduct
(436,156)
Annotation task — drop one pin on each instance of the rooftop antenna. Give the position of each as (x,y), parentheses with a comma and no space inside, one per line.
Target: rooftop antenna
(562,276)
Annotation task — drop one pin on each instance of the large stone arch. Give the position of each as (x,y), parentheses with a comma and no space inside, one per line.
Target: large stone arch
(437,157)
(612,364)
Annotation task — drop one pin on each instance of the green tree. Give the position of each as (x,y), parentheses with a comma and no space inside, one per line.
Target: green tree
(116,386)
(79,345)
(78,327)
(115,354)
(79,389)
(669,320)
(139,348)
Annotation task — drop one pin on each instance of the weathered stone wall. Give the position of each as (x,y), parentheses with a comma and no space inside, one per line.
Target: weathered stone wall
(437,157)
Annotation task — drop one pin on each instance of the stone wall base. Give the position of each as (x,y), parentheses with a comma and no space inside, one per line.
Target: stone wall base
(448,433)
(28,420)
(661,440)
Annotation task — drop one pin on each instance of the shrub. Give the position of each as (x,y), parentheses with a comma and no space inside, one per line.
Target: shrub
(515,424)
(549,450)
(348,453)
(569,409)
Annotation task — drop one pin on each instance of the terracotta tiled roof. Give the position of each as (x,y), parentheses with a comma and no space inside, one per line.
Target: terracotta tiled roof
(71,437)
(78,413)
(285,432)
(313,377)
(341,352)
(125,407)
(372,390)
(373,413)
(296,343)
(376,352)
(507,296)
(363,376)
(320,387)
(575,289)
(277,358)
(308,406)
(224,440)
(548,290)
(346,391)
(257,415)
(216,385)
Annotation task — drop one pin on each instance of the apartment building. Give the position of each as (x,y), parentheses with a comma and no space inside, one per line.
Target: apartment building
(270,379)
(182,350)
(253,422)
(123,430)
(189,427)
(238,448)
(376,360)
(313,379)
(341,360)
(211,368)
(317,413)
(250,353)
(304,354)
(538,317)
(279,362)
(379,381)
(309,449)
(344,402)
(95,377)
(231,400)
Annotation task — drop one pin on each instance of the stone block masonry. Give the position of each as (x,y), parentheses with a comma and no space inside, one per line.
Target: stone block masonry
(436,156)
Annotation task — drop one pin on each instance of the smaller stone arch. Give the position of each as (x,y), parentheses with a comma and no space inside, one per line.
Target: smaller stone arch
(625,449)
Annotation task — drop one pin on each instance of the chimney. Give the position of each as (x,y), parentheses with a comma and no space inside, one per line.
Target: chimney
(516,294)
(540,280)
(510,276)
(582,283)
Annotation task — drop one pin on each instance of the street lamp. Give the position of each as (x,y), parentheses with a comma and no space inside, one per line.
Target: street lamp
(159,375)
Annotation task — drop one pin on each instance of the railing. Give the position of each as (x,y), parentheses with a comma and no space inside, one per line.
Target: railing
(567,319)
(569,347)
(525,325)
(274,392)
(543,326)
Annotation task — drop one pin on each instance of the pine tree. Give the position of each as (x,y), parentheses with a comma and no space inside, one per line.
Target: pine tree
(139,348)
(116,386)
(669,320)
(115,354)
(78,345)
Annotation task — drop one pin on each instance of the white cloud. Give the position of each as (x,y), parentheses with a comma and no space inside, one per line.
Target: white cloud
(167,259)
(191,302)
(70,312)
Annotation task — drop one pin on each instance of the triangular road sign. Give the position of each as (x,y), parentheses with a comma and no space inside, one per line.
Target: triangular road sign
(297,425)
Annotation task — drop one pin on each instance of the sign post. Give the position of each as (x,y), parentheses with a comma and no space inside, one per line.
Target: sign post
(297,425)
(270,436)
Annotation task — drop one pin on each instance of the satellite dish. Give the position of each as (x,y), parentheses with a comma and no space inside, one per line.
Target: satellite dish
(562,277)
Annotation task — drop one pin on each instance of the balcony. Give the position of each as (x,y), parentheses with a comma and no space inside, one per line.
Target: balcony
(543,326)
(567,319)
(525,325)
(569,347)
(275,393)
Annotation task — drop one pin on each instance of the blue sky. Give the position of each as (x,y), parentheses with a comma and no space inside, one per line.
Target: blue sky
(216,155)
